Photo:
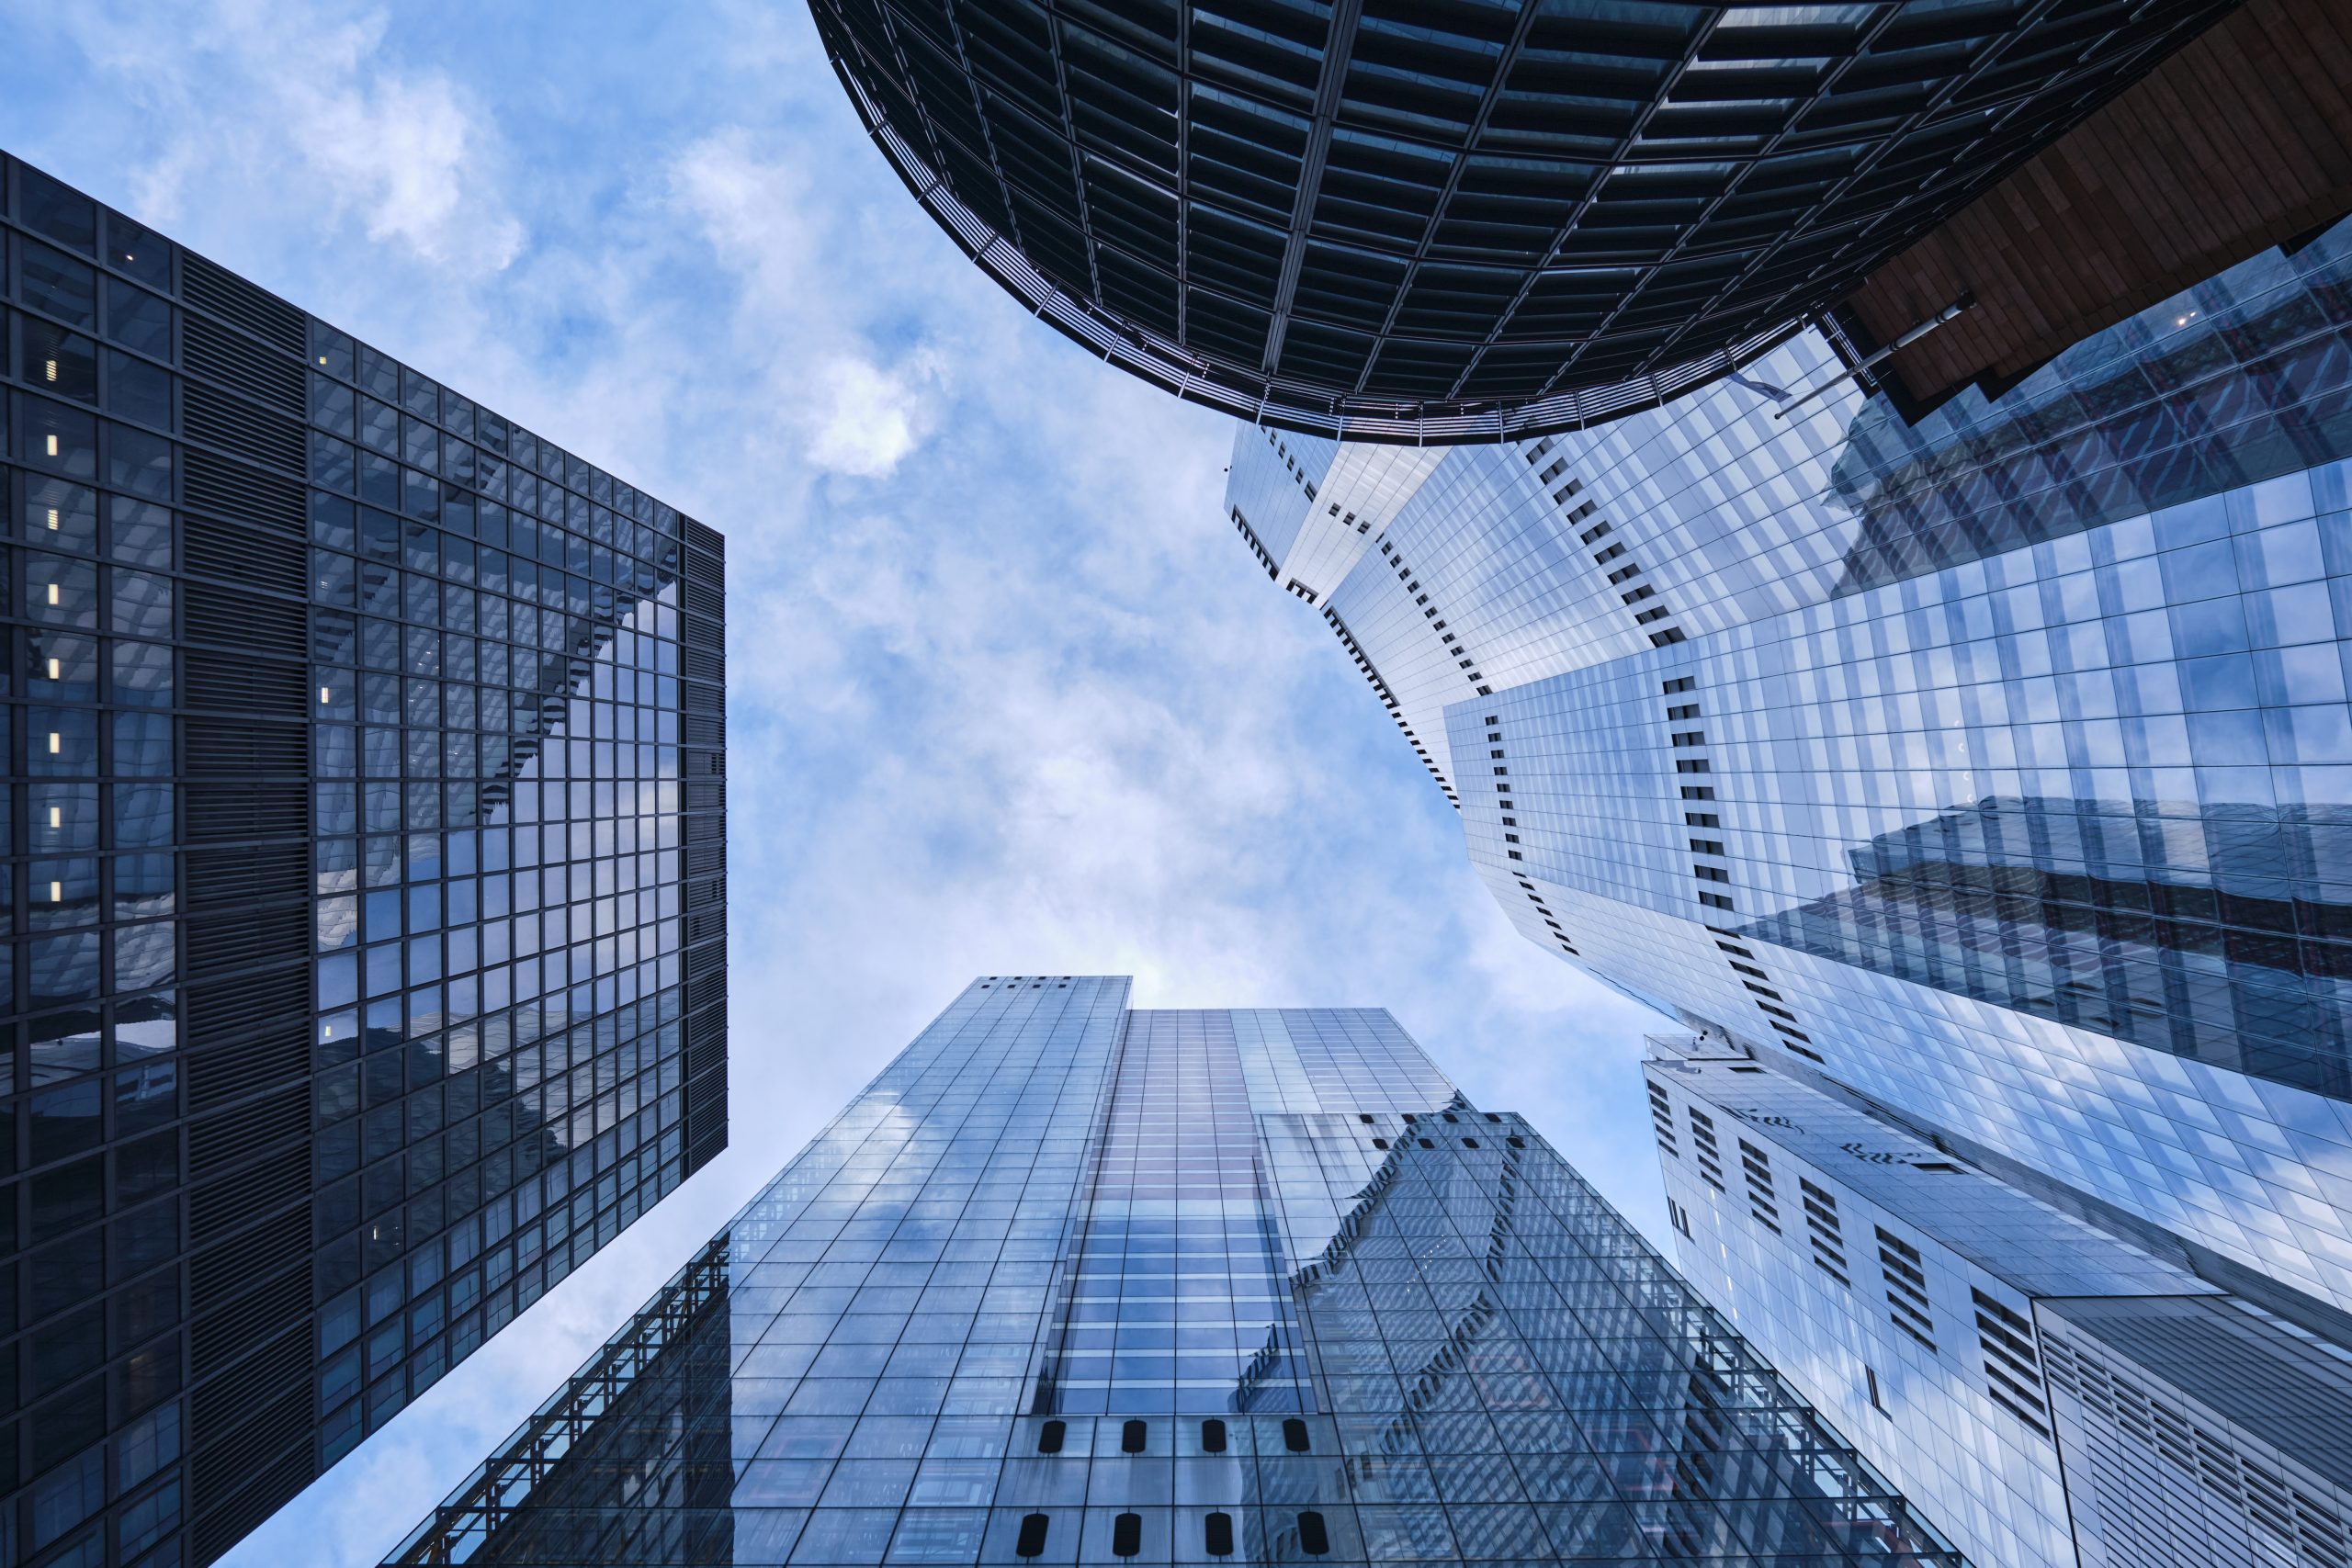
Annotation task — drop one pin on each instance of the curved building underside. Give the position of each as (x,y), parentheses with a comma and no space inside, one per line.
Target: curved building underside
(1439,223)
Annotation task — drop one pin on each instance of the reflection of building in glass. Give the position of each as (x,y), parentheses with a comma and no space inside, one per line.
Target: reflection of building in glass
(649,1420)
(1994,763)
(365,928)
(2037,906)
(2054,1388)
(1075,1283)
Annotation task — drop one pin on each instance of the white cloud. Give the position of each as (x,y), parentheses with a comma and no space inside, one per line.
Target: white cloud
(294,96)
(866,419)
(404,149)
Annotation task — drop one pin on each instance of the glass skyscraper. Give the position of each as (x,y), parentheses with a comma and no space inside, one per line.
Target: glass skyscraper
(2054,1393)
(362,941)
(1072,1282)
(1993,763)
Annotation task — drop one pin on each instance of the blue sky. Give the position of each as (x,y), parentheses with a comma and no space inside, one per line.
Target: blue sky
(1007,692)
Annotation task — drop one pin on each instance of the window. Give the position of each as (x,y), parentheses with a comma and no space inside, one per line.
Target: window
(1217,1534)
(1313,1538)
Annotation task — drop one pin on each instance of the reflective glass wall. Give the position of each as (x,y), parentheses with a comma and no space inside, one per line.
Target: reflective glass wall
(362,940)
(1997,764)
(1075,1283)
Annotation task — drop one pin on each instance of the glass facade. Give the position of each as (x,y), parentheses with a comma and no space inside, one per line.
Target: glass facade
(364,954)
(1997,764)
(2053,1393)
(1075,1283)
(1408,226)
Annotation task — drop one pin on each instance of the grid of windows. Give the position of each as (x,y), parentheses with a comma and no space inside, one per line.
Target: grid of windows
(1177,1292)
(362,935)
(1491,1365)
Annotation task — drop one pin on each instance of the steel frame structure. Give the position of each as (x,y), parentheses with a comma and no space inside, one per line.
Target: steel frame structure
(1475,220)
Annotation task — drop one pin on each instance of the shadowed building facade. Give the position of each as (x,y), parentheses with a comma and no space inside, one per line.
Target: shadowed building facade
(1072,1282)
(364,957)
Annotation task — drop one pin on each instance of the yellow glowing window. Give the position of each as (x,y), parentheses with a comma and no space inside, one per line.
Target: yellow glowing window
(52,669)
(52,594)
(53,370)
(57,893)
(52,519)
(57,817)
(52,743)
(53,446)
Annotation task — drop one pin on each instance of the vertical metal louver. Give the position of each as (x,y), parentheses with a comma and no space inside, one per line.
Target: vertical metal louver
(1907,1287)
(1823,1231)
(2012,1368)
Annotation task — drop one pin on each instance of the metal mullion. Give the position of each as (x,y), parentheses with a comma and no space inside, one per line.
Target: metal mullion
(1884,145)
(1183,171)
(1069,138)
(979,110)
(1568,228)
(1512,49)
(1747,167)
(1337,50)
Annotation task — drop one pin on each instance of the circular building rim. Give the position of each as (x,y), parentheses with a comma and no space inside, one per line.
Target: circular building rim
(1285,404)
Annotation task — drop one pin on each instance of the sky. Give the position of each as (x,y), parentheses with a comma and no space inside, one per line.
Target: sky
(1007,694)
